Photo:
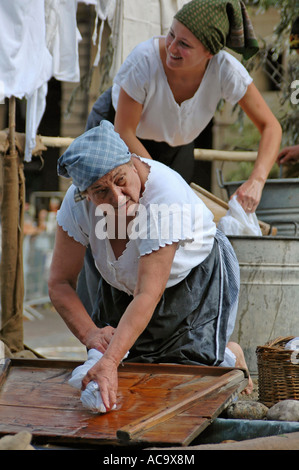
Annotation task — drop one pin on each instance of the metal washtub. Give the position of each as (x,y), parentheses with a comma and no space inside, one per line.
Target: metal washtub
(269,291)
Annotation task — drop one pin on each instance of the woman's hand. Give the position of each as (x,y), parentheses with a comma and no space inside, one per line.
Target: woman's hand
(104,373)
(288,155)
(99,338)
(249,194)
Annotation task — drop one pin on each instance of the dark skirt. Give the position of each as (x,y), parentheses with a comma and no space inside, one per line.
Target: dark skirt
(193,320)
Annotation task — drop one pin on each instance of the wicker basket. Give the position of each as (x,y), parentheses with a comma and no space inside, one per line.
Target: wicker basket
(278,375)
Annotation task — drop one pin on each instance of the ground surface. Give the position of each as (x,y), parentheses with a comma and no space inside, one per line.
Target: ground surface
(48,335)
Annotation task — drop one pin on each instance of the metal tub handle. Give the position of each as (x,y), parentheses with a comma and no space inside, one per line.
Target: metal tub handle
(219,178)
(291,222)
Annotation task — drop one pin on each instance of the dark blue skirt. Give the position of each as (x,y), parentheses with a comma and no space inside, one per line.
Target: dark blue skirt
(194,319)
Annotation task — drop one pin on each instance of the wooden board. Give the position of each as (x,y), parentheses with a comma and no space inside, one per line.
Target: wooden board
(157,404)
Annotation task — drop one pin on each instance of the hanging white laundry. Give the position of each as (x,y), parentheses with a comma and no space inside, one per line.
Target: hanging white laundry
(36,105)
(105,11)
(25,62)
(38,40)
(62,38)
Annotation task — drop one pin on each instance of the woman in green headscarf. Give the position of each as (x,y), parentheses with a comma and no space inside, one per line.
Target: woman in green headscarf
(167,90)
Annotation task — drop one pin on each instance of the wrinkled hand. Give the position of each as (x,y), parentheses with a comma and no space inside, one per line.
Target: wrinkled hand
(99,338)
(249,195)
(288,155)
(104,373)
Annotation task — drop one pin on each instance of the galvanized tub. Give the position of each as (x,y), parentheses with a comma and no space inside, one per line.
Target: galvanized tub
(279,205)
(269,292)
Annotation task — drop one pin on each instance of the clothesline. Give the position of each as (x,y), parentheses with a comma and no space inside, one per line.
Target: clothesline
(199,154)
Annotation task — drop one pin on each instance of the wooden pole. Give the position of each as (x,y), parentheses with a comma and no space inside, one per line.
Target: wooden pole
(224,155)
(11,269)
(199,154)
(12,125)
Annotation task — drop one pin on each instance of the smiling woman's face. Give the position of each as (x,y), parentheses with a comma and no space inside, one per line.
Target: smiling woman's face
(120,188)
(183,49)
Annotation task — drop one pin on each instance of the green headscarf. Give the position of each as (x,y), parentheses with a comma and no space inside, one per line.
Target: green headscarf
(219,23)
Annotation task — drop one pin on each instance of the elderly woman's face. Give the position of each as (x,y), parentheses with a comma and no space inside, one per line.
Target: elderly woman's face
(183,49)
(120,188)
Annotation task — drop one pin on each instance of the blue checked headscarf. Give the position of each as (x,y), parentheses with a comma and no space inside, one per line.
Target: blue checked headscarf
(92,155)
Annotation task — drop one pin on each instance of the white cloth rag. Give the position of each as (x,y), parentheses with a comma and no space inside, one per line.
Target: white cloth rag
(238,222)
(90,397)
(293,344)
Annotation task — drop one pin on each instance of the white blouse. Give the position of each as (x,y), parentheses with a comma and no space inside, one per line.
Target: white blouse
(171,212)
(142,76)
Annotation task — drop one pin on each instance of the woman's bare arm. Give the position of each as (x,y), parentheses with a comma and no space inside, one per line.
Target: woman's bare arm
(259,113)
(127,118)
(67,263)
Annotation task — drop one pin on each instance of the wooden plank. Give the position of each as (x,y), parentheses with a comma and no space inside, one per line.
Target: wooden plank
(193,421)
(126,367)
(35,396)
(216,403)
(177,431)
(167,411)
(199,371)
(201,192)
(57,425)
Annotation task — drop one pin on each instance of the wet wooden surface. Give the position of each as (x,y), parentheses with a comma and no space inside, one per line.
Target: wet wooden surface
(157,404)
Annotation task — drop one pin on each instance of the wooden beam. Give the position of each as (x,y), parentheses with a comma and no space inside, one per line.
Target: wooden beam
(56,141)
(199,154)
(224,155)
